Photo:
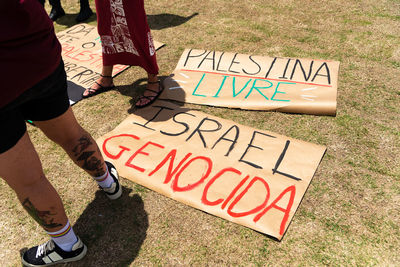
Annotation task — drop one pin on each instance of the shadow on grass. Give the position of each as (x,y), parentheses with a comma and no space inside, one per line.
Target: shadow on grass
(163,21)
(69,20)
(113,231)
(156,22)
(135,90)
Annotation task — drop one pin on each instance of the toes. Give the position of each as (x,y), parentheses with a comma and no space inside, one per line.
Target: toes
(86,92)
(143,101)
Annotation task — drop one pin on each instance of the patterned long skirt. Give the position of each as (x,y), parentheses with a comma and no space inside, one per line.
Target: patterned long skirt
(125,34)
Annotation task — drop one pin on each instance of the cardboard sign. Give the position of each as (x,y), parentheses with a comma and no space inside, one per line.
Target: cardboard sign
(244,175)
(254,82)
(82,55)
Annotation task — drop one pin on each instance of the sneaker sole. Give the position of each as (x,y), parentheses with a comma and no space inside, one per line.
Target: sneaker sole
(114,173)
(77,258)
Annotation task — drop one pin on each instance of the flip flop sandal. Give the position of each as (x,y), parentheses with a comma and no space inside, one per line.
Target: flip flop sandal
(152,98)
(93,92)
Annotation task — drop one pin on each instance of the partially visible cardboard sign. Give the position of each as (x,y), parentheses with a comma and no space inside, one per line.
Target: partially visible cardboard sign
(82,55)
(254,82)
(251,177)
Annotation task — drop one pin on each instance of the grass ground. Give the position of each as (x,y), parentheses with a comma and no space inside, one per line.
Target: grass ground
(351,212)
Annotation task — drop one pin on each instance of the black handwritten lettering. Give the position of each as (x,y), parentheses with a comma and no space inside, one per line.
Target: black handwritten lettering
(89,45)
(80,29)
(327,75)
(258,66)
(199,130)
(77,69)
(207,58)
(233,141)
(91,80)
(180,122)
(286,67)
(250,145)
(161,108)
(233,62)
(189,56)
(279,161)
(298,62)
(270,67)
(219,62)
(68,66)
(65,38)
(85,72)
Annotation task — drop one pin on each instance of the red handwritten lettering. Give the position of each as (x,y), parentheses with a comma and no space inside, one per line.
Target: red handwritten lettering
(176,169)
(292,191)
(234,191)
(212,180)
(66,48)
(171,157)
(80,55)
(240,196)
(140,151)
(108,154)
(175,186)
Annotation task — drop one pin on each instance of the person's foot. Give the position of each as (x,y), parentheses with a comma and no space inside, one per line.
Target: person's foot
(152,92)
(103,84)
(49,253)
(56,12)
(114,191)
(84,14)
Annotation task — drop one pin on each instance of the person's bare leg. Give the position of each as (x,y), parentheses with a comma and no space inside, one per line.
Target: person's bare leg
(21,168)
(153,86)
(152,77)
(79,144)
(104,80)
(83,150)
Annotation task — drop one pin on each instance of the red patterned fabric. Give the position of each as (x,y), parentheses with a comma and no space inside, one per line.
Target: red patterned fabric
(125,34)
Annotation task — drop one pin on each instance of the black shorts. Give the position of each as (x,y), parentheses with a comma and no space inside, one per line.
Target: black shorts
(46,100)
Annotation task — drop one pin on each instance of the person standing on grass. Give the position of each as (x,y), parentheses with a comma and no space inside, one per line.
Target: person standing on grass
(125,39)
(35,88)
(57,11)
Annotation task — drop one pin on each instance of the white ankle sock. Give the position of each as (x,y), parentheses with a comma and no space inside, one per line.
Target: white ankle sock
(105,180)
(64,238)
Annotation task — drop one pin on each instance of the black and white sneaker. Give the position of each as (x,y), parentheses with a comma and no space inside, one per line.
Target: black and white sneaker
(49,254)
(115,190)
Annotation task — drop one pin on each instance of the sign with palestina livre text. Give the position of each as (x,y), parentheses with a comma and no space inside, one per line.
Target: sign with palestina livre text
(293,85)
(82,55)
(247,176)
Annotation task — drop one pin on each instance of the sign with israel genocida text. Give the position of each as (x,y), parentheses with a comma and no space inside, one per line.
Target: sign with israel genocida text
(247,176)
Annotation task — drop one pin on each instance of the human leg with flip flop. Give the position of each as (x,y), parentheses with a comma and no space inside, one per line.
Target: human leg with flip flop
(153,90)
(131,45)
(105,83)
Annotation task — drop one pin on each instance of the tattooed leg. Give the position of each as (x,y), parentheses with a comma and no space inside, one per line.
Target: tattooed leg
(43,217)
(34,191)
(88,158)
(80,146)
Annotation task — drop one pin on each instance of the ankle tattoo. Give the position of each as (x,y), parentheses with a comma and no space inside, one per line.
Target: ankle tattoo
(83,154)
(42,217)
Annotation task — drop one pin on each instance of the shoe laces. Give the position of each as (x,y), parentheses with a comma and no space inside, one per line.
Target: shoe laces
(43,248)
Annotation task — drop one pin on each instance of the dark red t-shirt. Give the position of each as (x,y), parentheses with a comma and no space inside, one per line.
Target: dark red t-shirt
(29,49)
